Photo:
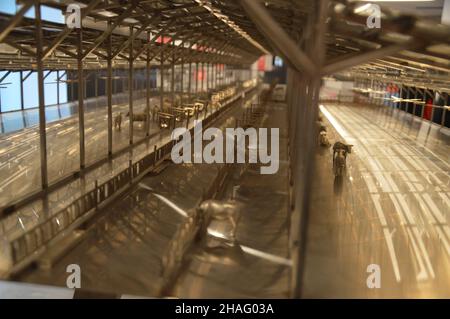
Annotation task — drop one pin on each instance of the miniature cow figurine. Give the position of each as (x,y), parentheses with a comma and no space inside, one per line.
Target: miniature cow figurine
(139,117)
(214,210)
(155,112)
(118,121)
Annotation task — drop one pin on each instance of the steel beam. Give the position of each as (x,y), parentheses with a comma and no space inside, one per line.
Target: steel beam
(367,57)
(203,77)
(172,82)
(57,89)
(190,81)
(66,32)
(109,92)
(22,103)
(161,92)
(196,78)
(147,86)
(111,26)
(81,98)
(152,41)
(130,86)
(268,26)
(40,75)
(16,19)
(182,81)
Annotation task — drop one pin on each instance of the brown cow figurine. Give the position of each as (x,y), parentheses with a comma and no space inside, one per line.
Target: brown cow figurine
(118,121)
(139,117)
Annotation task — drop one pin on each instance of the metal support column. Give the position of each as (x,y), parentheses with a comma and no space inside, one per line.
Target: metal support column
(217,78)
(203,77)
(182,81)
(95,85)
(40,74)
(207,77)
(161,93)
(81,98)
(196,78)
(306,143)
(130,85)
(109,93)
(57,88)
(22,104)
(172,82)
(147,82)
(190,81)
(215,75)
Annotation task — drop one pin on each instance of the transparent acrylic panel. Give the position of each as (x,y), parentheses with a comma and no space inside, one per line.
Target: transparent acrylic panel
(96,119)
(121,136)
(63,150)
(19,164)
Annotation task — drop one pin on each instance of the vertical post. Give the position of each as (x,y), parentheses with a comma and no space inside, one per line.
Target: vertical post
(95,85)
(414,104)
(22,104)
(57,88)
(109,92)
(407,97)
(147,82)
(72,85)
(225,77)
(1,103)
(211,72)
(203,77)
(190,81)
(444,111)
(172,83)
(424,96)
(307,142)
(85,84)
(81,97)
(40,74)
(130,84)
(115,89)
(161,93)
(207,76)
(196,78)
(215,75)
(182,81)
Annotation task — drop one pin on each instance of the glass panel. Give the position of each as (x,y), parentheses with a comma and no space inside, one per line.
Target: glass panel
(8,6)
(51,87)
(63,88)
(19,146)
(63,149)
(48,14)
(121,138)
(30,86)
(10,92)
(96,120)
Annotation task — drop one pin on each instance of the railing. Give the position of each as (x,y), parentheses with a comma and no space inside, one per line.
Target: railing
(25,247)
(339,98)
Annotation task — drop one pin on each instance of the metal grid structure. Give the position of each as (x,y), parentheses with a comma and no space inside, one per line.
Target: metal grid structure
(128,35)
(315,38)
